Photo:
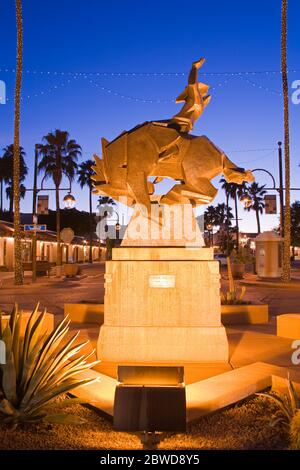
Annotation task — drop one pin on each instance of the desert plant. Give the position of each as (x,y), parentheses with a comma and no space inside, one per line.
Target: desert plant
(288,414)
(232,296)
(38,368)
(244,256)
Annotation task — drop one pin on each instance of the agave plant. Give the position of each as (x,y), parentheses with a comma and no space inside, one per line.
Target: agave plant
(232,297)
(39,367)
(288,414)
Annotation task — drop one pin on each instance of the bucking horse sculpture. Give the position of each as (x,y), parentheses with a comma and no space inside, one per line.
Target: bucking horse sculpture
(137,159)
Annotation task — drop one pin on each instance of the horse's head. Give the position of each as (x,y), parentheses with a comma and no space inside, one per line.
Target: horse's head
(238,175)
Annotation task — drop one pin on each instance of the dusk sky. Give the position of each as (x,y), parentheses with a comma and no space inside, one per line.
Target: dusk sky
(66,43)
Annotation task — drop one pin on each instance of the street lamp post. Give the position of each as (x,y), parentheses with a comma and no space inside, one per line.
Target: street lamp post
(209,229)
(246,200)
(35,175)
(281,201)
(69,202)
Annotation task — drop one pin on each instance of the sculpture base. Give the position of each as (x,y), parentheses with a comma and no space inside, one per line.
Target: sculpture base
(163,344)
(162,305)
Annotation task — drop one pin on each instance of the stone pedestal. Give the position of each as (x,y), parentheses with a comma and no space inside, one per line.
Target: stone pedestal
(162,305)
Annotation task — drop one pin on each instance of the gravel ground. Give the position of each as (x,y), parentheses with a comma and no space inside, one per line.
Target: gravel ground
(245,426)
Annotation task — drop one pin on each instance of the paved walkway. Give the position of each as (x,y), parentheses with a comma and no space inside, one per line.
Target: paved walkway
(53,292)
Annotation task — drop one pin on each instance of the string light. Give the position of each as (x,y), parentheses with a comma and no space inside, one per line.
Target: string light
(87,76)
(145,74)
(44,92)
(261,87)
(252,150)
(142,100)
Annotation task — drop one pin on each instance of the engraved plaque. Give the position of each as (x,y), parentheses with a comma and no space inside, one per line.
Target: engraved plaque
(164,281)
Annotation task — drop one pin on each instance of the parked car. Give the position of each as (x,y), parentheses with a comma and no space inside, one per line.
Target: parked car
(221,258)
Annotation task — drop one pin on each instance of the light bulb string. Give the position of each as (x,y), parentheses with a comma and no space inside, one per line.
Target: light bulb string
(143,100)
(145,74)
(119,94)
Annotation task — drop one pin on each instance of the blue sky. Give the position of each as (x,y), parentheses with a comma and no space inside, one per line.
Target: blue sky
(65,37)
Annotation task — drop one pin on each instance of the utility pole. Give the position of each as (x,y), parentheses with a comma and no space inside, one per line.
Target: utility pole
(281,200)
(35,191)
(34,239)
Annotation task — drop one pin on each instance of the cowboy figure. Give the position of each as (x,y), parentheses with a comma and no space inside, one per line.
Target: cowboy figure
(195,98)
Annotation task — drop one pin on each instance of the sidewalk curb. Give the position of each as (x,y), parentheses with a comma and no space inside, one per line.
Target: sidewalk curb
(276,285)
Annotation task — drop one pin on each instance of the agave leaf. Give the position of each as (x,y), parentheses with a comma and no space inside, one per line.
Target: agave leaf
(12,318)
(61,357)
(16,342)
(28,331)
(7,338)
(26,372)
(293,396)
(279,401)
(53,341)
(70,365)
(6,407)
(48,368)
(282,421)
(63,375)
(45,355)
(35,331)
(41,399)
(9,379)
(65,419)
(60,376)
(29,418)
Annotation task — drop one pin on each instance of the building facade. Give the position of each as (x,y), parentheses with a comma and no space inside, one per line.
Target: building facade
(46,249)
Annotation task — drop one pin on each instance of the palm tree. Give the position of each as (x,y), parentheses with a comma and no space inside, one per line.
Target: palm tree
(106,201)
(59,157)
(3,177)
(223,215)
(85,173)
(210,216)
(234,191)
(18,268)
(103,200)
(256,193)
(226,187)
(8,175)
(295,225)
(286,274)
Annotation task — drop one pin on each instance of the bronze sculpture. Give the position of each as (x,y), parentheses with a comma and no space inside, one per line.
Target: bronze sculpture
(165,149)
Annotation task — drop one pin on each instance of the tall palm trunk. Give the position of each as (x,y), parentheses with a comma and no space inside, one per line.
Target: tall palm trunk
(227,223)
(286,274)
(11,202)
(257,220)
(236,222)
(16,183)
(91,228)
(1,195)
(58,248)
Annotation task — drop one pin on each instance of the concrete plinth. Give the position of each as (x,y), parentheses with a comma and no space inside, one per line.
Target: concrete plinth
(162,305)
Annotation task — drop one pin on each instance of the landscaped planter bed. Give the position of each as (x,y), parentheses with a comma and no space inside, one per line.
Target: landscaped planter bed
(245,426)
(244,314)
